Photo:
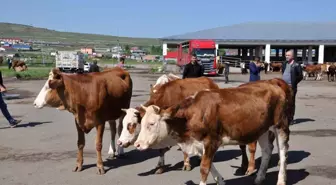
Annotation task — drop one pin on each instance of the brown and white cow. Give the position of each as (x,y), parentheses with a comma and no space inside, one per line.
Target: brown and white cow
(93,98)
(163,95)
(54,101)
(212,118)
(316,70)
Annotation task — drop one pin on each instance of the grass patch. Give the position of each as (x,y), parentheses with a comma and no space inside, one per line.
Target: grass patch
(33,73)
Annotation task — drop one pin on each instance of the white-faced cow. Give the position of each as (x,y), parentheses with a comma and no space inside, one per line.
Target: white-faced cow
(166,95)
(93,99)
(212,118)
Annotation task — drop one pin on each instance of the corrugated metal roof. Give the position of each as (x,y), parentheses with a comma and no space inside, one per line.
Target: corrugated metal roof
(275,31)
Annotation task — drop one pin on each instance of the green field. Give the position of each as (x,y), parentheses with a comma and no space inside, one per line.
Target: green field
(33,73)
(29,32)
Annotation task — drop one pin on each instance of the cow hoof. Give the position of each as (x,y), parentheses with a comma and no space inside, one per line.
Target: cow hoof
(100,171)
(78,168)
(121,156)
(186,168)
(249,171)
(258,181)
(111,157)
(159,170)
(219,182)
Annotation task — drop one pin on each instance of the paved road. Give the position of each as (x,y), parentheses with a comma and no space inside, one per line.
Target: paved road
(43,149)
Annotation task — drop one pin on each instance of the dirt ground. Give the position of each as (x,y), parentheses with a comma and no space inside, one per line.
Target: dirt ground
(42,150)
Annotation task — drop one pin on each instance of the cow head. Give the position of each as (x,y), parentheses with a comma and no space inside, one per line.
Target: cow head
(131,127)
(48,95)
(154,129)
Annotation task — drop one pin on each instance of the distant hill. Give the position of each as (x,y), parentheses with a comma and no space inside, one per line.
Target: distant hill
(26,32)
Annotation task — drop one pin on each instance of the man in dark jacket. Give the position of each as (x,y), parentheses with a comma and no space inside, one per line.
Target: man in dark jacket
(193,69)
(94,67)
(3,106)
(292,74)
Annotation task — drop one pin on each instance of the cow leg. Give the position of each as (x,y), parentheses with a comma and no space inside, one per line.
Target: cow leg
(113,130)
(186,164)
(207,166)
(120,127)
(99,145)
(282,136)
(161,162)
(251,165)
(80,145)
(244,164)
(266,152)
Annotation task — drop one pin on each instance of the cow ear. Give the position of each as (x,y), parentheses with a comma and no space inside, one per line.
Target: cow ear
(53,84)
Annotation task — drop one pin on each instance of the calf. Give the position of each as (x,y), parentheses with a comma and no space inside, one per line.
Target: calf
(166,95)
(93,98)
(212,118)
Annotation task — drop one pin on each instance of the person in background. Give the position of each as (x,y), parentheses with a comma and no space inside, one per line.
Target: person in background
(193,69)
(266,67)
(292,75)
(255,68)
(94,67)
(9,62)
(226,71)
(3,106)
(121,63)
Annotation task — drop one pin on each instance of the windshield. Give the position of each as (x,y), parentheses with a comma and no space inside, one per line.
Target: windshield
(204,52)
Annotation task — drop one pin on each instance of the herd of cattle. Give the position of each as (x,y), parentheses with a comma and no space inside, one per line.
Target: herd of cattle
(315,71)
(194,114)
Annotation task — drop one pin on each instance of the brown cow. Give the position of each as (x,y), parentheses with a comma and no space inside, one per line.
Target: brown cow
(93,98)
(276,65)
(212,118)
(19,66)
(331,72)
(163,95)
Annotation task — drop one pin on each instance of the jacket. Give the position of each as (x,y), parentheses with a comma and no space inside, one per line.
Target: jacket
(254,72)
(296,73)
(192,70)
(94,68)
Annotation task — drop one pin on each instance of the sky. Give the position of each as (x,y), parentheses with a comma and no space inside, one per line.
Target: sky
(158,18)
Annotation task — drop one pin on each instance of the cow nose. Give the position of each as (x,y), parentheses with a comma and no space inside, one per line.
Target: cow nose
(119,143)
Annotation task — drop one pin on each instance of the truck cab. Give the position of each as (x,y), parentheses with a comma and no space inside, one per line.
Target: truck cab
(205,50)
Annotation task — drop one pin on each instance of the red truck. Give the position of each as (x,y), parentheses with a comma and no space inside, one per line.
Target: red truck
(205,51)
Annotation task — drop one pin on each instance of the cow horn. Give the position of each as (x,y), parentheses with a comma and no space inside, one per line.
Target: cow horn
(142,106)
(124,110)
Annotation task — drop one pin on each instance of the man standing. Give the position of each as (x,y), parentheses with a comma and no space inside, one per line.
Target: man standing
(255,68)
(94,67)
(292,74)
(226,71)
(3,106)
(193,69)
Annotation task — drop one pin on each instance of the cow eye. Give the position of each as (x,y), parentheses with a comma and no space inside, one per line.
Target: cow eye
(151,124)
